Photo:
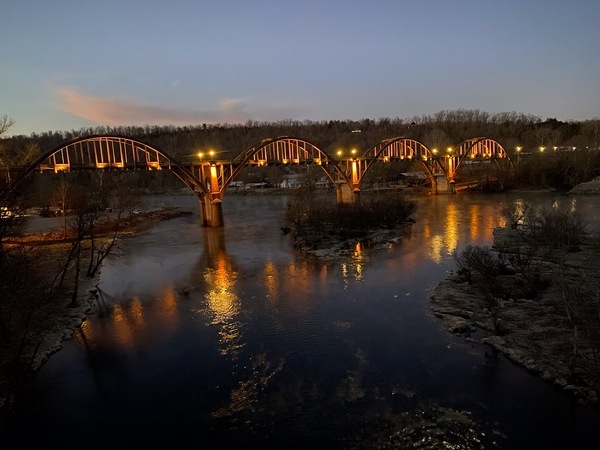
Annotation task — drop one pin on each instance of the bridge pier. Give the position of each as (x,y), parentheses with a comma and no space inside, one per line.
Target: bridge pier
(344,194)
(441,185)
(211,212)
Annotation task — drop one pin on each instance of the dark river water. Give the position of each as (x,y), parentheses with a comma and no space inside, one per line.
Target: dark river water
(229,338)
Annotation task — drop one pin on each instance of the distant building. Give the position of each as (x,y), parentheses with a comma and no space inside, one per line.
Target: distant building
(323,183)
(251,186)
(290,181)
(413,178)
(235,186)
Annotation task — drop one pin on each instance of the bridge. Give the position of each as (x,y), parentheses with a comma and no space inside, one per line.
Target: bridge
(209,178)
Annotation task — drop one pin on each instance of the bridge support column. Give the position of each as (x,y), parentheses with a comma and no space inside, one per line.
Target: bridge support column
(440,184)
(204,210)
(216,207)
(211,205)
(344,194)
(211,212)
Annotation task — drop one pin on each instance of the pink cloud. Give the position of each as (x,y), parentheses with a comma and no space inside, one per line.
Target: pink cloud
(123,111)
(114,111)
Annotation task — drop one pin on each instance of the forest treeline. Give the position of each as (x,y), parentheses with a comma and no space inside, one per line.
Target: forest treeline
(444,128)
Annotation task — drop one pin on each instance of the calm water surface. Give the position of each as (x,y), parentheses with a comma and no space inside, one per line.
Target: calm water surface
(231,339)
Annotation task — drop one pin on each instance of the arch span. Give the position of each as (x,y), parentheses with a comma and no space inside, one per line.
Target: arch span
(106,152)
(289,150)
(479,149)
(397,149)
(217,175)
(282,150)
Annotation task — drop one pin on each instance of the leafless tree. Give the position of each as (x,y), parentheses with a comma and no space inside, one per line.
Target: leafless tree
(436,138)
(484,266)
(5,123)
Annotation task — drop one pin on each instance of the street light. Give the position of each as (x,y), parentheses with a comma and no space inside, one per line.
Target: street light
(211,154)
(354,168)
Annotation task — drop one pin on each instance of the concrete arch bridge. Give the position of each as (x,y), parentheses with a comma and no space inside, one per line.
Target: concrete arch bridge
(210,177)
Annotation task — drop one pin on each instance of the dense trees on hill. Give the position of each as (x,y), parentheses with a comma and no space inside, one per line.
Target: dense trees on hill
(444,128)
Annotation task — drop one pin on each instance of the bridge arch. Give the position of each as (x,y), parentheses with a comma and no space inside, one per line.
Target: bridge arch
(208,180)
(217,175)
(284,150)
(106,152)
(478,149)
(397,149)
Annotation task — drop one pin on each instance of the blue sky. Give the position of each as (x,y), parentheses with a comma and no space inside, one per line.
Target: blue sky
(68,64)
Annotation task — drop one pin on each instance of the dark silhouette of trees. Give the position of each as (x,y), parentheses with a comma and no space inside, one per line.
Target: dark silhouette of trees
(556,168)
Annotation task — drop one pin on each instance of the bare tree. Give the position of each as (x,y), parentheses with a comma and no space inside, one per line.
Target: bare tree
(5,123)
(591,129)
(5,163)
(62,197)
(545,136)
(484,266)
(436,138)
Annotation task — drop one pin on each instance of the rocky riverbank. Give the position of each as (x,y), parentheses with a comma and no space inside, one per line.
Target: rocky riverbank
(535,332)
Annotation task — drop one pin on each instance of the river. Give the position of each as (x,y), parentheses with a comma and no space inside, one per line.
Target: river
(230,338)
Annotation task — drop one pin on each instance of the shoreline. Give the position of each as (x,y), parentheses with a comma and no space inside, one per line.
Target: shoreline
(535,332)
(65,320)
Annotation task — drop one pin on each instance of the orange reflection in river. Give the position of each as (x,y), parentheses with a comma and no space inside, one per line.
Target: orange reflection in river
(128,320)
(271,281)
(480,221)
(354,268)
(223,303)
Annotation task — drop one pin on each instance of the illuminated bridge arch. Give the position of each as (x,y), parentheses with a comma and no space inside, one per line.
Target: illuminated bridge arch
(394,149)
(103,152)
(478,149)
(216,176)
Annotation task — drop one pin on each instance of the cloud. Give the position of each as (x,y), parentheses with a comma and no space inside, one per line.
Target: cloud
(124,111)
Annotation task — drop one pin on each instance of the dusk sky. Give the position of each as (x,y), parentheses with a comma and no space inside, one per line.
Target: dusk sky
(65,65)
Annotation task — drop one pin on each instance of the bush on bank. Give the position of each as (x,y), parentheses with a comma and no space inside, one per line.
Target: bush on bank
(319,222)
(539,286)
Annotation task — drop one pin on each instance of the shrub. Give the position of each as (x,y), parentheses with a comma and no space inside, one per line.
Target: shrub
(310,217)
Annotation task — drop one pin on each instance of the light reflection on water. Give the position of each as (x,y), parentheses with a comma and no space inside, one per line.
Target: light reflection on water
(233,326)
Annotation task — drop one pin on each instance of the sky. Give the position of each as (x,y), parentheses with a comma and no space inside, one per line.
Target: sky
(70,64)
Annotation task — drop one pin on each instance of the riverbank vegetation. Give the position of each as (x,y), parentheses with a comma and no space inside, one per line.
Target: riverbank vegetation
(47,280)
(322,227)
(536,293)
